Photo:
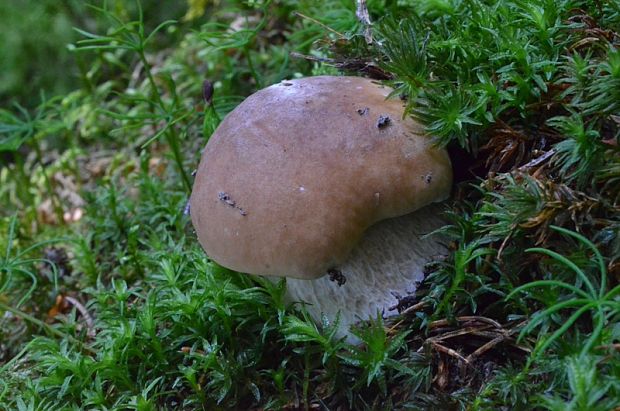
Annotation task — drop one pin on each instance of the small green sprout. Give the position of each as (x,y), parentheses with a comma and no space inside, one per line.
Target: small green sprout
(588,295)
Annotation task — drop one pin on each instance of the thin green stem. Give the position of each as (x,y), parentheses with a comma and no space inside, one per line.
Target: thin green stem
(170,134)
(48,184)
(559,257)
(569,323)
(306,381)
(551,310)
(12,227)
(551,283)
(248,57)
(599,258)
(176,152)
(24,181)
(600,324)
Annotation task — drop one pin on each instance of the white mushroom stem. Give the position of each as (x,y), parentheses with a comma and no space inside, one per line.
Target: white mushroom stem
(389,260)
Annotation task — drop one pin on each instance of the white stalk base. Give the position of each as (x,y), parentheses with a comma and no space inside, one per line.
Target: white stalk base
(389,259)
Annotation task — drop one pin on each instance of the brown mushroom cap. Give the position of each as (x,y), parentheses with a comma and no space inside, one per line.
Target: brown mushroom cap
(295,174)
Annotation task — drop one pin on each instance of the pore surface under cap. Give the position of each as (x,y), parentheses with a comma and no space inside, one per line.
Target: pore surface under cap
(386,265)
(297,172)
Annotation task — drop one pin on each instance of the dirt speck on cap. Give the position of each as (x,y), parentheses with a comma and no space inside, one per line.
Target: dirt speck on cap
(383,121)
(225,197)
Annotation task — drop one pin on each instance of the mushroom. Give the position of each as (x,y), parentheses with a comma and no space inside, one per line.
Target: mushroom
(295,181)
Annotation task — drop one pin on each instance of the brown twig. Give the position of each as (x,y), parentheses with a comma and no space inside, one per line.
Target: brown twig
(615,346)
(90,324)
(448,351)
(295,54)
(413,308)
(538,160)
(503,245)
(486,347)
(459,332)
(315,21)
(465,318)
(358,65)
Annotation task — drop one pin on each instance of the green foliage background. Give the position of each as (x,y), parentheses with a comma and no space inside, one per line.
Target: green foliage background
(108,302)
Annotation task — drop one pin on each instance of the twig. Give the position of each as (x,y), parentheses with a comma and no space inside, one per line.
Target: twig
(615,346)
(315,21)
(358,65)
(188,350)
(465,318)
(414,308)
(503,245)
(295,54)
(481,332)
(364,17)
(458,333)
(448,351)
(486,347)
(90,324)
(538,160)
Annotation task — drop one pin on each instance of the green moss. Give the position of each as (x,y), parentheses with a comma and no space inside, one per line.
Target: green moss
(120,309)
